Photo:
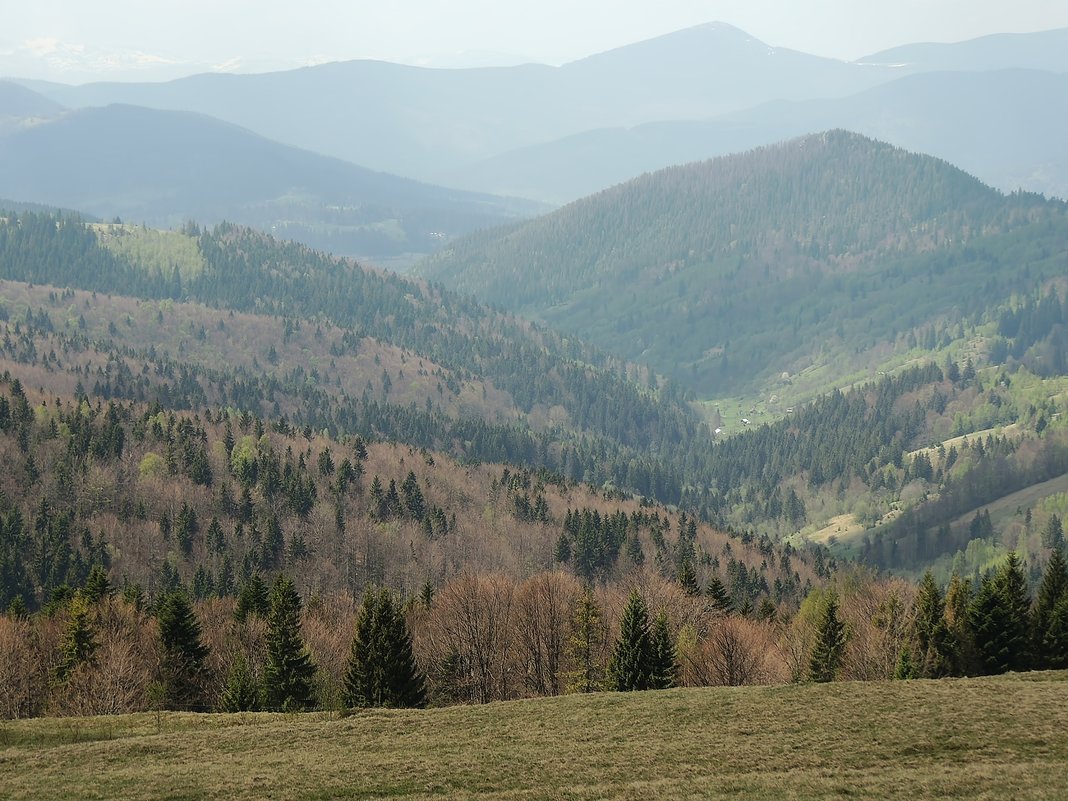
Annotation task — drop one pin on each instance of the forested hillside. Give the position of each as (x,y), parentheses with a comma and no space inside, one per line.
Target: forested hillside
(207,499)
(899,472)
(806,255)
(188,417)
(230,319)
(417,363)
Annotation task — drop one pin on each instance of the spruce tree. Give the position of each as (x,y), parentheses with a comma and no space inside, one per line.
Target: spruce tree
(97,587)
(252,599)
(931,632)
(988,624)
(687,579)
(183,666)
(830,643)
(1053,534)
(405,683)
(426,595)
(1012,585)
(242,692)
(906,668)
(288,672)
(664,671)
(382,668)
(999,618)
(958,603)
(718,597)
(79,639)
(1053,590)
(1055,640)
(630,667)
(364,663)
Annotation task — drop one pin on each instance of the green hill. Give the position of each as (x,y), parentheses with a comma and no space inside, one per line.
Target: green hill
(806,255)
(994,738)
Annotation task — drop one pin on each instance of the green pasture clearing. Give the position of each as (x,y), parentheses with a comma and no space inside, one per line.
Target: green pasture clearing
(986,738)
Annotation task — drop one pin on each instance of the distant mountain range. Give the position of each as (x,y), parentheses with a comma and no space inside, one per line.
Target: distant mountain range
(557,133)
(804,256)
(278,150)
(946,114)
(423,122)
(1044,50)
(166,167)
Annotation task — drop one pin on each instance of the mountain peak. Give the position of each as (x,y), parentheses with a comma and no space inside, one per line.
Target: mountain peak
(684,43)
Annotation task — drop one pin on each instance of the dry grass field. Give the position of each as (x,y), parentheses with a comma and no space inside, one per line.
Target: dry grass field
(993,738)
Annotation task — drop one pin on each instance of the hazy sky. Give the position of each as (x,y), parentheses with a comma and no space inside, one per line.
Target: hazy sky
(77,40)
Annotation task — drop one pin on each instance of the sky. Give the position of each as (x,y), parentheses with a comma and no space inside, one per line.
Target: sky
(77,41)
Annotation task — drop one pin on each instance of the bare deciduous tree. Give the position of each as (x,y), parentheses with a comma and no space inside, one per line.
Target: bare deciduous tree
(471,628)
(23,669)
(736,651)
(543,607)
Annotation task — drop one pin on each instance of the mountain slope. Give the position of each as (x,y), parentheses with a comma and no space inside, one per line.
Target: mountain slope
(515,392)
(722,272)
(167,167)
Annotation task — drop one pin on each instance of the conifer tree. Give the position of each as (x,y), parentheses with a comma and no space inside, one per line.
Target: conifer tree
(906,668)
(830,643)
(664,671)
(1055,641)
(382,669)
(688,579)
(989,624)
(97,587)
(562,553)
(1012,585)
(79,639)
(931,632)
(630,667)
(17,609)
(426,595)
(999,618)
(242,692)
(364,660)
(1053,590)
(288,672)
(252,599)
(1053,534)
(958,603)
(718,597)
(134,595)
(182,668)
(767,609)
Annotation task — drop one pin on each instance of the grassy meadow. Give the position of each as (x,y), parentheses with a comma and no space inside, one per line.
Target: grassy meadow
(990,738)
